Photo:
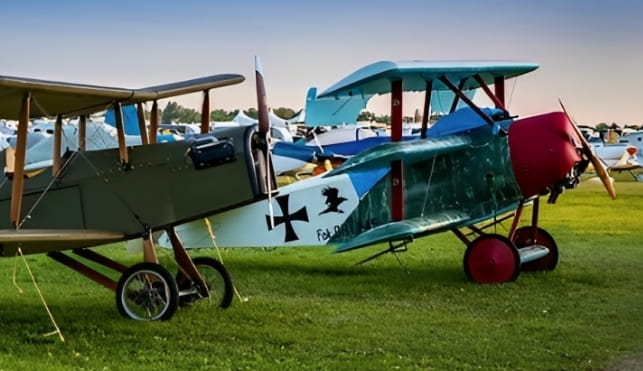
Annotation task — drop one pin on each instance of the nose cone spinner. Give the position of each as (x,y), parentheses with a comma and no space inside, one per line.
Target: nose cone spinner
(543,150)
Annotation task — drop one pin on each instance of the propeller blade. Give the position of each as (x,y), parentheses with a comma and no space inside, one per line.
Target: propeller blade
(264,129)
(601,171)
(262,107)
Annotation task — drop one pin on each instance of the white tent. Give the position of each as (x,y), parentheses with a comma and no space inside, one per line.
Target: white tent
(299,118)
(244,119)
(275,120)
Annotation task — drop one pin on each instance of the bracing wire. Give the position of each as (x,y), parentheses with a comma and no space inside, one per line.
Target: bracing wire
(428,186)
(42,298)
(218,250)
(44,192)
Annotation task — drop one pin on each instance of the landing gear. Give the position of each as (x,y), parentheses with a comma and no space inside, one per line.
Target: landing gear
(218,290)
(491,258)
(147,291)
(528,236)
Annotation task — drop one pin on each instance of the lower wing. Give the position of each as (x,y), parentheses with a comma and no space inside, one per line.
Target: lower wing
(35,241)
(407,228)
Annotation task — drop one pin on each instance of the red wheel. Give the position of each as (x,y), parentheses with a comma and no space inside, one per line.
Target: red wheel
(492,259)
(523,237)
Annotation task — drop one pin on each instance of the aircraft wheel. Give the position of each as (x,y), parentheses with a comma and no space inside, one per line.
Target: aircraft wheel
(523,238)
(217,279)
(148,292)
(491,259)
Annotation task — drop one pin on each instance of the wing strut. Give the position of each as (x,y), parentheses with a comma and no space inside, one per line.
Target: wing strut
(205,113)
(458,92)
(154,121)
(140,113)
(120,130)
(454,104)
(427,108)
(499,85)
(19,161)
(82,132)
(491,95)
(57,160)
(397,175)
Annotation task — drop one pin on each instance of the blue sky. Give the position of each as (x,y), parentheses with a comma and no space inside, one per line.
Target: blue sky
(590,52)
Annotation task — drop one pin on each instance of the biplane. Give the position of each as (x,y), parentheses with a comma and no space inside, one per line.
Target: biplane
(89,198)
(474,165)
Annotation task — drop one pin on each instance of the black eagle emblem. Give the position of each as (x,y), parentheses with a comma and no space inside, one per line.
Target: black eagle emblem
(333,200)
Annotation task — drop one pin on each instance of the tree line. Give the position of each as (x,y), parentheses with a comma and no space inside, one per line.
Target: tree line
(175,113)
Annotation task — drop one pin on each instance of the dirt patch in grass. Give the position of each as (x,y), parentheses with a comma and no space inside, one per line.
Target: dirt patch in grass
(632,363)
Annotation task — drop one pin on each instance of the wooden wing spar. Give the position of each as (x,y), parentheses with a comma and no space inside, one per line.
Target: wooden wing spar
(53,98)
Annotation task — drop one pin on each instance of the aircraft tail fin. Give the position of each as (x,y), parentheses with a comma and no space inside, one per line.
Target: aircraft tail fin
(331,111)
(130,119)
(627,160)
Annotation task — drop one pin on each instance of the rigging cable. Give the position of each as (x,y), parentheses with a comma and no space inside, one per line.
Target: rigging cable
(42,298)
(214,243)
(428,185)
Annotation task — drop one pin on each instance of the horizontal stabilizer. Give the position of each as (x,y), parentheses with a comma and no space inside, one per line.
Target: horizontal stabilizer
(410,151)
(34,241)
(408,228)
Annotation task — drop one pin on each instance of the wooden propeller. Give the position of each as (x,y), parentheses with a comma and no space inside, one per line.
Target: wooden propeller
(264,130)
(589,151)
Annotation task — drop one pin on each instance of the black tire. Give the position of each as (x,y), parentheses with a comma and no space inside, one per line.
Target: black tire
(522,238)
(147,292)
(217,278)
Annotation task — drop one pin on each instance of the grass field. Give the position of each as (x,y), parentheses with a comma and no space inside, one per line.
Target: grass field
(309,309)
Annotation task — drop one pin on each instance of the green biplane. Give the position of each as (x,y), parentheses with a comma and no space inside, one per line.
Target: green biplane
(472,168)
(90,198)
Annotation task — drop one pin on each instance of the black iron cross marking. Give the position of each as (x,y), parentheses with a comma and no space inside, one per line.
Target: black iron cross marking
(288,218)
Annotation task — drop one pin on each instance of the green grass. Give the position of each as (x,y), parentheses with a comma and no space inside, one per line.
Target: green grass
(309,309)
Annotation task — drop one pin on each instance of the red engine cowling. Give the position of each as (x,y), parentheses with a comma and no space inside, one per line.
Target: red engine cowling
(543,151)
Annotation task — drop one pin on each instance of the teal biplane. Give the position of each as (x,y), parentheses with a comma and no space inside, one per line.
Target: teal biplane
(474,165)
(90,198)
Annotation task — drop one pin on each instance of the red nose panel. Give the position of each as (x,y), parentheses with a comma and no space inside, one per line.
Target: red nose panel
(631,150)
(543,151)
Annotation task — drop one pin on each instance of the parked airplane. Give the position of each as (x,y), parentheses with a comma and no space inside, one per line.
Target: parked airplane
(89,198)
(473,165)
(619,156)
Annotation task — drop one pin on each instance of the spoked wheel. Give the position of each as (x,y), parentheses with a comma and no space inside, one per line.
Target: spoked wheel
(491,259)
(523,237)
(219,283)
(148,292)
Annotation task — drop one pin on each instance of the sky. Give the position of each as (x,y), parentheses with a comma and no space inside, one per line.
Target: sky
(590,52)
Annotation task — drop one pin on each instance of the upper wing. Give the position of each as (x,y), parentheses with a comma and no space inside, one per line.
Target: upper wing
(407,228)
(376,78)
(53,98)
(34,241)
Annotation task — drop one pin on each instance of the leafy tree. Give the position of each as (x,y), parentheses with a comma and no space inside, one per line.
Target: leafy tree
(601,127)
(284,112)
(366,116)
(384,118)
(222,115)
(252,113)
(174,112)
